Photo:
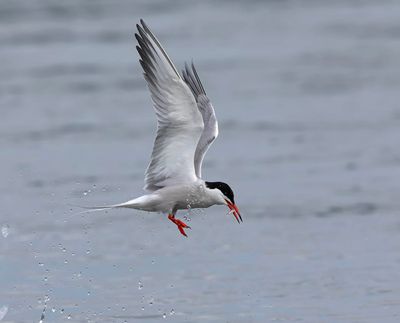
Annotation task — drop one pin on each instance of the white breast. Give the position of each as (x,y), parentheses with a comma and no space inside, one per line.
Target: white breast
(189,196)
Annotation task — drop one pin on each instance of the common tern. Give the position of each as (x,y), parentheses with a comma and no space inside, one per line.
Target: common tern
(187,126)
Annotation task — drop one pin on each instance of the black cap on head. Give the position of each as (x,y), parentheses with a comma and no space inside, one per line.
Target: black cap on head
(223,187)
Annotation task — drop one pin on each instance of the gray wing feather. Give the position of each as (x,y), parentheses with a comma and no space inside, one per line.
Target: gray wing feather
(180,123)
(210,131)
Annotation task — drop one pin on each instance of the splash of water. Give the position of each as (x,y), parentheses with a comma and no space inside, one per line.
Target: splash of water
(3,312)
(5,230)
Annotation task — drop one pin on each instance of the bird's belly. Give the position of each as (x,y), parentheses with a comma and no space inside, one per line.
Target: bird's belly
(182,197)
(194,203)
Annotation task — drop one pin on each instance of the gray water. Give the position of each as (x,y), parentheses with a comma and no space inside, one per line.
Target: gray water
(307,96)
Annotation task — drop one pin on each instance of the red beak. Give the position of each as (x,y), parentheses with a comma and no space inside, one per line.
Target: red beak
(234,210)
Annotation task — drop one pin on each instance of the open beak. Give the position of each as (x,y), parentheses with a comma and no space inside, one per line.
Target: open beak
(233,209)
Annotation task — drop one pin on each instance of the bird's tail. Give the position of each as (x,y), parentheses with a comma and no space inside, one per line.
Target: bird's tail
(88,209)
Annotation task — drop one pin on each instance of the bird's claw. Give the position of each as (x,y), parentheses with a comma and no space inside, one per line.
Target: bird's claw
(180,224)
(182,231)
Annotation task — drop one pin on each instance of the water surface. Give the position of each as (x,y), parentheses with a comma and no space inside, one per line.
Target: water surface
(307,100)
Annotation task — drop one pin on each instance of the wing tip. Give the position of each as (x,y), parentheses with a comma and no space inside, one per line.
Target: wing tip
(153,44)
(192,79)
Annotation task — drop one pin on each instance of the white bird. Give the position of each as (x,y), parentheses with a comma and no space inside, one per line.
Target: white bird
(187,126)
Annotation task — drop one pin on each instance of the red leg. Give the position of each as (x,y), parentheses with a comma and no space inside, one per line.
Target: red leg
(180,224)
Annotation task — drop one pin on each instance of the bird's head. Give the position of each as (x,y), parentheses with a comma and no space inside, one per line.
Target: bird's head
(225,196)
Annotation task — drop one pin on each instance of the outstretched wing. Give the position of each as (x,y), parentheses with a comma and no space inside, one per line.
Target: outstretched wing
(206,109)
(180,123)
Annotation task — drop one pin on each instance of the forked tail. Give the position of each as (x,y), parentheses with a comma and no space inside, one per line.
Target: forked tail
(88,209)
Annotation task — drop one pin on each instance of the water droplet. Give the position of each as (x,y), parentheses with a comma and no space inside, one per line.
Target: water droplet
(45,278)
(53,309)
(123,309)
(88,293)
(87,251)
(3,312)
(5,230)
(62,311)
(142,308)
(172,312)
(68,317)
(41,264)
(140,285)
(164,316)
(64,249)
(65,261)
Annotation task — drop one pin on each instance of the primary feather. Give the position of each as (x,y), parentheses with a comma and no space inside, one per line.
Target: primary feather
(180,123)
